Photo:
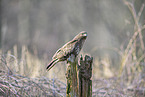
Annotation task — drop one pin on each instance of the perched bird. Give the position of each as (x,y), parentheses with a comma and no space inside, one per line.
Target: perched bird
(72,47)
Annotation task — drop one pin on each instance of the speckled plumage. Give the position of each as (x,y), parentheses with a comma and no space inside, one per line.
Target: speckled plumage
(72,47)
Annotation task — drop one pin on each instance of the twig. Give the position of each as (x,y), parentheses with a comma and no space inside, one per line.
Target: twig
(136,20)
(140,12)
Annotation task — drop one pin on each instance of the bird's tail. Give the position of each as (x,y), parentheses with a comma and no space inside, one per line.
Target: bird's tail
(52,63)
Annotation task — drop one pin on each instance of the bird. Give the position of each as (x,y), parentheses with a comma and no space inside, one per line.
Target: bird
(72,47)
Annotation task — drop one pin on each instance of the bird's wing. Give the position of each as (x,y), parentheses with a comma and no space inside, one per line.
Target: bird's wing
(64,50)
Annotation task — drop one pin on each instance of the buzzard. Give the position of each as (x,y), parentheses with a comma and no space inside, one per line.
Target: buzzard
(72,47)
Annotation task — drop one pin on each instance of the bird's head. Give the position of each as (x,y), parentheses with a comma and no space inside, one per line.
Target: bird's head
(81,35)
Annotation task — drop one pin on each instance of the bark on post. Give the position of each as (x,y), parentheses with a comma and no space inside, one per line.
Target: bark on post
(85,74)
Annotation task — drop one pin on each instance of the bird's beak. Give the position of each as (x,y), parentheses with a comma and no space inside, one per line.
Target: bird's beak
(85,35)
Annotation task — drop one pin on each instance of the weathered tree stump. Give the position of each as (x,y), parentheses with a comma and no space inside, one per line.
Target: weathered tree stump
(71,75)
(85,74)
(79,83)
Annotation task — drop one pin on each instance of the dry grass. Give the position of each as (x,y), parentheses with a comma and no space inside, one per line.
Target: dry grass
(19,77)
(17,85)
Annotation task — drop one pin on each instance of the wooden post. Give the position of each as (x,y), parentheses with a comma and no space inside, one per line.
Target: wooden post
(85,74)
(82,86)
(71,75)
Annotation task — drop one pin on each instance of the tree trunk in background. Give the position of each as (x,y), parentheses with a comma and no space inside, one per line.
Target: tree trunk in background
(23,21)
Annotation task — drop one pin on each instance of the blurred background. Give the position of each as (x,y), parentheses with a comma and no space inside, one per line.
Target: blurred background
(32,30)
